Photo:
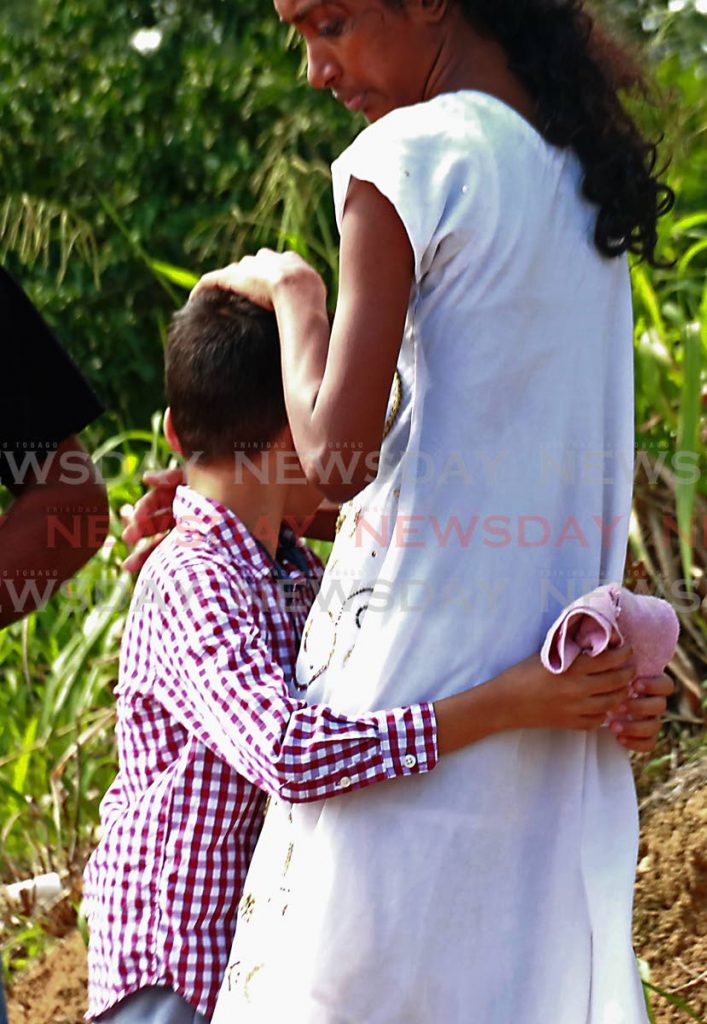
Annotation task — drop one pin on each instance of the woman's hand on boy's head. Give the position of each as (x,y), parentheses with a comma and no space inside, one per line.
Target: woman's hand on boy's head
(148,521)
(258,277)
(240,278)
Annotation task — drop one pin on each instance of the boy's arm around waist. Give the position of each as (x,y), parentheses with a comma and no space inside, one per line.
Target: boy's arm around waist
(216,675)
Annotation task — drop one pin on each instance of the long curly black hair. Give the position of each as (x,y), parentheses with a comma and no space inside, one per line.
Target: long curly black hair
(575,73)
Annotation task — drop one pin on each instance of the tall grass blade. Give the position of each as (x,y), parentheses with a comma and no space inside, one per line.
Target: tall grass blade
(688,442)
(19,775)
(646,293)
(135,245)
(177,275)
(30,226)
(691,221)
(649,1008)
(677,1001)
(687,257)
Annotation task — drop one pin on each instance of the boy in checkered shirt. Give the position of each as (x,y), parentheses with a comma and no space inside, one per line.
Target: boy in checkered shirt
(209,717)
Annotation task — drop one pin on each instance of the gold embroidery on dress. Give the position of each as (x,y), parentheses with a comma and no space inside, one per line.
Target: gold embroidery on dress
(358,618)
(363,609)
(356,593)
(305,640)
(357,516)
(249,977)
(395,407)
(233,974)
(341,517)
(305,635)
(288,859)
(335,624)
(285,894)
(247,906)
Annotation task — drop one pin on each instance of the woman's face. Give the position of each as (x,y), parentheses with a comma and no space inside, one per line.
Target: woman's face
(371,56)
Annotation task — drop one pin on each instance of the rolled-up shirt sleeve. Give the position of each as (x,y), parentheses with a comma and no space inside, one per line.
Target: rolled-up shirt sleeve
(216,676)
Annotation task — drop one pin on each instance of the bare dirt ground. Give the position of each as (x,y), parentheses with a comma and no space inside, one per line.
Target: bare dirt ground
(53,991)
(670,917)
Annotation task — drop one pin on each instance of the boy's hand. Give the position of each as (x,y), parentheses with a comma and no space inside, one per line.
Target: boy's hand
(258,277)
(151,518)
(638,721)
(579,698)
(528,696)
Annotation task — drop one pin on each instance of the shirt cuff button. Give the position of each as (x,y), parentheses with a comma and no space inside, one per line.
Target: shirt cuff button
(409,760)
(345,782)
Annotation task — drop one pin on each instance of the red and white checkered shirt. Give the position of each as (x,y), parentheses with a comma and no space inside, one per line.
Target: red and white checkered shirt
(206,727)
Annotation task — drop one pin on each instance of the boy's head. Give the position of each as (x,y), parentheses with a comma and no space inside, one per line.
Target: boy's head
(222,376)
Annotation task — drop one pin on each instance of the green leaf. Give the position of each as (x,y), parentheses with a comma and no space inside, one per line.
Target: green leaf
(648,297)
(688,441)
(133,242)
(184,278)
(686,223)
(687,257)
(676,1001)
(19,775)
(649,1008)
(645,973)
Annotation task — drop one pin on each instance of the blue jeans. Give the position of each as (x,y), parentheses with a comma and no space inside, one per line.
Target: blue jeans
(152,1006)
(3,1011)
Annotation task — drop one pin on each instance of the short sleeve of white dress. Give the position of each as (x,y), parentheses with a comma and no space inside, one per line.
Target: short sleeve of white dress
(429,169)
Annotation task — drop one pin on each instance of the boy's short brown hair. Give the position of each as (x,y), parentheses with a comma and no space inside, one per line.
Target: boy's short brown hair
(222,376)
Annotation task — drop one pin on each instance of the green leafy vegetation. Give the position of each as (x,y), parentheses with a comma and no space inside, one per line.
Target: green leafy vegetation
(196,149)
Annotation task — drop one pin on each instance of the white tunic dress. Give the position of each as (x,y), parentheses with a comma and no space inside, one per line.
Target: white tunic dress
(498,888)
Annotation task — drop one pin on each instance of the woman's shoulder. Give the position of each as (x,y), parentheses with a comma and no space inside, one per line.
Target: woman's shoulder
(467,119)
(428,149)
(461,158)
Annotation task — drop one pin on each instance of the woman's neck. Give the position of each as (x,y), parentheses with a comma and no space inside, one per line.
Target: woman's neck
(469,59)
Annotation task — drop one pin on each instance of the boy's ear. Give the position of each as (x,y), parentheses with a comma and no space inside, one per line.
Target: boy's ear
(169,432)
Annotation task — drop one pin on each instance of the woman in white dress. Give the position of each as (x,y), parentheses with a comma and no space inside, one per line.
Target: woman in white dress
(483,326)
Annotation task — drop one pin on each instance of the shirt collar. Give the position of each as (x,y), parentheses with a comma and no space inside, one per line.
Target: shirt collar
(199,517)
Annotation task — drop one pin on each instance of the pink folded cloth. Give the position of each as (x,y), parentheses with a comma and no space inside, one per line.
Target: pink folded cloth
(610,616)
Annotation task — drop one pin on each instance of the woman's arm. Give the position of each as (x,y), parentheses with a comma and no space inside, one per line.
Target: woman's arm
(337,384)
(337,397)
(319,526)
